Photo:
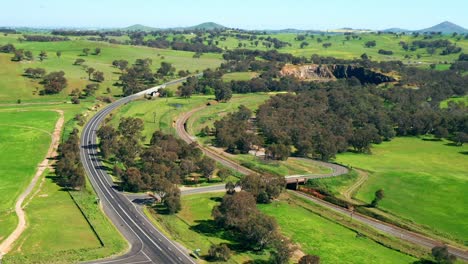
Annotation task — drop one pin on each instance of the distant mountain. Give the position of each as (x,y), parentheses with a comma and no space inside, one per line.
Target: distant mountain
(203,26)
(396,30)
(446,27)
(206,26)
(138,27)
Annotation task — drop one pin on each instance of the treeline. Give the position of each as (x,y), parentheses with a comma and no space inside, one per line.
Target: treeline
(431,46)
(158,167)
(323,119)
(69,169)
(235,133)
(180,43)
(86,33)
(8,31)
(139,76)
(43,38)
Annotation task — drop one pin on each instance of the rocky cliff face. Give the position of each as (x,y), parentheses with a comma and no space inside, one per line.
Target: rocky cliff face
(314,72)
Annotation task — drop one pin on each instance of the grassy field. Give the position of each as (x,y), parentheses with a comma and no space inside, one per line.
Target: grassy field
(14,86)
(59,233)
(424,182)
(195,229)
(335,185)
(334,243)
(24,140)
(165,109)
(239,76)
(291,166)
(354,48)
(344,49)
(208,115)
(461,99)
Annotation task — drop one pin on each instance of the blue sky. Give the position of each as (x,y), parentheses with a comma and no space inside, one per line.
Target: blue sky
(247,14)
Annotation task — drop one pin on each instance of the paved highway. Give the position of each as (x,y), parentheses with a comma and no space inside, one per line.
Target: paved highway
(147,244)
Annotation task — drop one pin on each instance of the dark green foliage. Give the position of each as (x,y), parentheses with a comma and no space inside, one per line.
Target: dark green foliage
(220,252)
(69,168)
(18,55)
(278,151)
(309,259)
(442,256)
(166,69)
(138,77)
(35,73)
(370,44)
(98,76)
(90,89)
(385,52)
(263,187)
(8,48)
(234,132)
(54,82)
(379,195)
(78,61)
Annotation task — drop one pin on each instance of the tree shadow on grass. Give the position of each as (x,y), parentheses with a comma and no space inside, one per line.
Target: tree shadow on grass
(210,229)
(463,152)
(216,199)
(432,139)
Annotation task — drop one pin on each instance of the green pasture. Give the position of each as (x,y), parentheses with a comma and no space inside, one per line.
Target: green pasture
(14,86)
(424,181)
(24,141)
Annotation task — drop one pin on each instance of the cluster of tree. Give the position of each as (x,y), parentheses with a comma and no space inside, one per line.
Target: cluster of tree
(97,76)
(165,162)
(459,66)
(43,38)
(34,73)
(140,76)
(235,133)
(462,57)
(238,213)
(264,187)
(210,84)
(179,42)
(86,51)
(54,82)
(370,44)
(432,45)
(385,52)
(8,31)
(7,48)
(323,119)
(69,169)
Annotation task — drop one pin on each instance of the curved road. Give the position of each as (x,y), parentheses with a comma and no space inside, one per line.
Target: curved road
(148,244)
(336,171)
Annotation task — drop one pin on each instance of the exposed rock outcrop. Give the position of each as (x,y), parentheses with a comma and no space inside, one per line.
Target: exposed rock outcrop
(314,72)
(311,72)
